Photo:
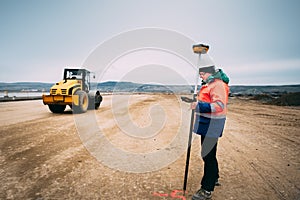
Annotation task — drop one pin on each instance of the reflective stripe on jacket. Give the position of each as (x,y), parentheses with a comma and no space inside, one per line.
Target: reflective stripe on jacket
(216,94)
(211,109)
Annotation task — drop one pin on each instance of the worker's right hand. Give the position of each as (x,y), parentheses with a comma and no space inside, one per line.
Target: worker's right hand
(194,105)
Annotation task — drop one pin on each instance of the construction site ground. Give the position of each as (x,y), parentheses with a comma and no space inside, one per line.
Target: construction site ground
(43,156)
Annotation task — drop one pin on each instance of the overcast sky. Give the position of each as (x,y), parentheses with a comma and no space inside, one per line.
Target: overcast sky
(253,41)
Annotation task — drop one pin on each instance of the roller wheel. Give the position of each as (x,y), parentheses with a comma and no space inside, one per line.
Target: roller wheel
(57,108)
(98,100)
(83,102)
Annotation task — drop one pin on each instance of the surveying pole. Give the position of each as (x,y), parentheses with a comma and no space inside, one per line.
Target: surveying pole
(198,49)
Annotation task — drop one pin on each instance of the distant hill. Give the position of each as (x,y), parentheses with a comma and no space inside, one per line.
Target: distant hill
(273,90)
(287,95)
(112,86)
(138,87)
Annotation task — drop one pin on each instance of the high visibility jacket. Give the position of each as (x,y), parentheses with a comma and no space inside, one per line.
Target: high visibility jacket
(216,94)
(212,108)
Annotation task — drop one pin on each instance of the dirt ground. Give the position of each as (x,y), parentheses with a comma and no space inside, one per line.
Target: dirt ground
(63,156)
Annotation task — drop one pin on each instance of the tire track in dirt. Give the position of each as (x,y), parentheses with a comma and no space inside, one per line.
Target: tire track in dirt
(258,185)
(27,146)
(272,119)
(239,180)
(257,150)
(270,180)
(42,157)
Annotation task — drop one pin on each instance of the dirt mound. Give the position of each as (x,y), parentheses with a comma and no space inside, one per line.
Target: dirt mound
(265,98)
(290,99)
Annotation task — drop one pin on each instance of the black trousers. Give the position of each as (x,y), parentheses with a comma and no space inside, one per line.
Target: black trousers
(211,168)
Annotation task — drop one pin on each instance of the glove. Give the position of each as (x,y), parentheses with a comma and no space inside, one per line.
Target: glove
(187,100)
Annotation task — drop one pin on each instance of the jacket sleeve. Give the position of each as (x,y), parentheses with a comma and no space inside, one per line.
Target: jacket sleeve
(203,107)
(218,97)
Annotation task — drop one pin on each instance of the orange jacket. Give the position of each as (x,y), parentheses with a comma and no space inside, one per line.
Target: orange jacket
(216,94)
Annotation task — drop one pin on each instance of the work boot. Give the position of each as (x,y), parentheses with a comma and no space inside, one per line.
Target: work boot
(202,195)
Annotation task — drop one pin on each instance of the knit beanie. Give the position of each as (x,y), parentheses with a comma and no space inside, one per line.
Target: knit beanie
(210,69)
(206,64)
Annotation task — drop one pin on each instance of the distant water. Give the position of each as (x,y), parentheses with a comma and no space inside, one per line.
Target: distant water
(22,94)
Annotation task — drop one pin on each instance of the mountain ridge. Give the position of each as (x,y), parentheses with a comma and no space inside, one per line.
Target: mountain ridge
(114,86)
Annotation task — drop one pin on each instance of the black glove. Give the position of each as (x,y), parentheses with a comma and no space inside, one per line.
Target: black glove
(187,100)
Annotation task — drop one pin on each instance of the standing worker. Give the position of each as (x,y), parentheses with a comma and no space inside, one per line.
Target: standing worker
(210,119)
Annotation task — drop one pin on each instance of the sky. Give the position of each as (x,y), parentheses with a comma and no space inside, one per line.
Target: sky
(255,42)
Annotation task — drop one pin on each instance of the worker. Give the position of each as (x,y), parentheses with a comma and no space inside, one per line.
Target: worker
(210,111)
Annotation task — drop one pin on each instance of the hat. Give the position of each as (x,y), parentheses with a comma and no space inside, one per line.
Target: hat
(209,69)
(206,64)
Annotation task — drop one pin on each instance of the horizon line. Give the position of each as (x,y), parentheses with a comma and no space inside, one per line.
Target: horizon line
(241,84)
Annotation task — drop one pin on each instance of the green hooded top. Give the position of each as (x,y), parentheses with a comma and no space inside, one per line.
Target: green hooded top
(218,75)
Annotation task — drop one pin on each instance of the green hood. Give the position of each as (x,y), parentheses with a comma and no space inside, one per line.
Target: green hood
(218,75)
